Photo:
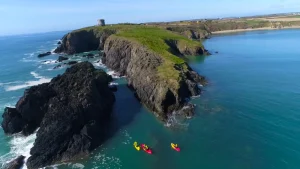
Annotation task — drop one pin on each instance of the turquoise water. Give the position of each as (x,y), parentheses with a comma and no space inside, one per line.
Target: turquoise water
(247,117)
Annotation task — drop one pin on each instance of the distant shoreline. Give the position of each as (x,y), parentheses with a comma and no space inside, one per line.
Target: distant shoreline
(255,29)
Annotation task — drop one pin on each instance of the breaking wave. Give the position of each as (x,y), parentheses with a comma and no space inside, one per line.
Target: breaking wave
(40,80)
(19,145)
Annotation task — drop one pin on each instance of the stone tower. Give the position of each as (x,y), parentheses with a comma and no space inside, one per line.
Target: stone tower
(101,22)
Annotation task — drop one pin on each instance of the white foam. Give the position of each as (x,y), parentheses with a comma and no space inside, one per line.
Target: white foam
(113,83)
(8,83)
(29,54)
(47,62)
(40,80)
(76,166)
(20,145)
(98,64)
(113,74)
(35,75)
(176,120)
(28,60)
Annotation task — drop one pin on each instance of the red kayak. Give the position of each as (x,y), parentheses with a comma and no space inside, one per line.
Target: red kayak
(147,150)
(175,147)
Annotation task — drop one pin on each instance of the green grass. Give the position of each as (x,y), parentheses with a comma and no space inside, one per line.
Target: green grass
(154,38)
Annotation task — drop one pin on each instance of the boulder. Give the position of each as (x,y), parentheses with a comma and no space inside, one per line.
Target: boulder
(61,58)
(59,42)
(72,113)
(16,163)
(44,54)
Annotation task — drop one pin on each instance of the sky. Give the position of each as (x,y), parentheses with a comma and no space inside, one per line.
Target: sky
(35,16)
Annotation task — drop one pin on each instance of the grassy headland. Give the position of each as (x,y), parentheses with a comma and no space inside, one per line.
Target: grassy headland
(156,39)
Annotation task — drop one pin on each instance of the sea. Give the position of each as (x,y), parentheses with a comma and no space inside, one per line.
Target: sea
(247,117)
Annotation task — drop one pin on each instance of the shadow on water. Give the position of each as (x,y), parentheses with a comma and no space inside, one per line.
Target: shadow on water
(125,109)
(196,59)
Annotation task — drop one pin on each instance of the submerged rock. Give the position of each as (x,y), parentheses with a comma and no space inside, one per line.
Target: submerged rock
(72,113)
(72,62)
(58,66)
(61,58)
(16,163)
(44,54)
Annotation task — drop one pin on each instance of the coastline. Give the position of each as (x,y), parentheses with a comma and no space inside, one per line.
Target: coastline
(255,29)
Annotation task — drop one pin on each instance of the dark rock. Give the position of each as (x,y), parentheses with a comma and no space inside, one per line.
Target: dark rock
(16,163)
(188,110)
(216,52)
(12,121)
(72,112)
(61,58)
(84,41)
(72,62)
(58,66)
(84,56)
(90,55)
(44,54)
(59,42)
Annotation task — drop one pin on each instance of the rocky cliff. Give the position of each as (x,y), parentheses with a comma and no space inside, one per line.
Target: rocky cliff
(72,113)
(191,32)
(152,58)
(159,92)
(84,40)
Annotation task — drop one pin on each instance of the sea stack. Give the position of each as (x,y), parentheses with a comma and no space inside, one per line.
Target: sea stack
(72,113)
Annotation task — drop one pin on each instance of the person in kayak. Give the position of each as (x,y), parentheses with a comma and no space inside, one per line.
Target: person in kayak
(146,147)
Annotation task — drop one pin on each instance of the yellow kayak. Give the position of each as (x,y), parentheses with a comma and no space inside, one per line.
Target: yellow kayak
(175,147)
(136,146)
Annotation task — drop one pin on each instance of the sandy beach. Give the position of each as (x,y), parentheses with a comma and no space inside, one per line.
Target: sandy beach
(255,29)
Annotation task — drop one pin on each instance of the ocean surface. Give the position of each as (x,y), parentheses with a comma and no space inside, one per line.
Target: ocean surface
(248,116)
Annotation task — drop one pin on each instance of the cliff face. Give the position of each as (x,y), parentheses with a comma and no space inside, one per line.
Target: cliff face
(150,57)
(160,94)
(191,32)
(83,40)
(72,112)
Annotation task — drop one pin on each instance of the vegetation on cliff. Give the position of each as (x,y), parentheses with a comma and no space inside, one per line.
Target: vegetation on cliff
(152,58)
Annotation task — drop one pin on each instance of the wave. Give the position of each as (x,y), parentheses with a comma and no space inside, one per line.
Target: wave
(47,62)
(98,64)
(20,145)
(27,59)
(176,120)
(41,79)
(106,161)
(29,54)
(8,83)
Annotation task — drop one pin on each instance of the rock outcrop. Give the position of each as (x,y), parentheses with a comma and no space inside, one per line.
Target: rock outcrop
(44,54)
(191,32)
(83,41)
(61,58)
(161,79)
(16,163)
(140,65)
(72,112)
